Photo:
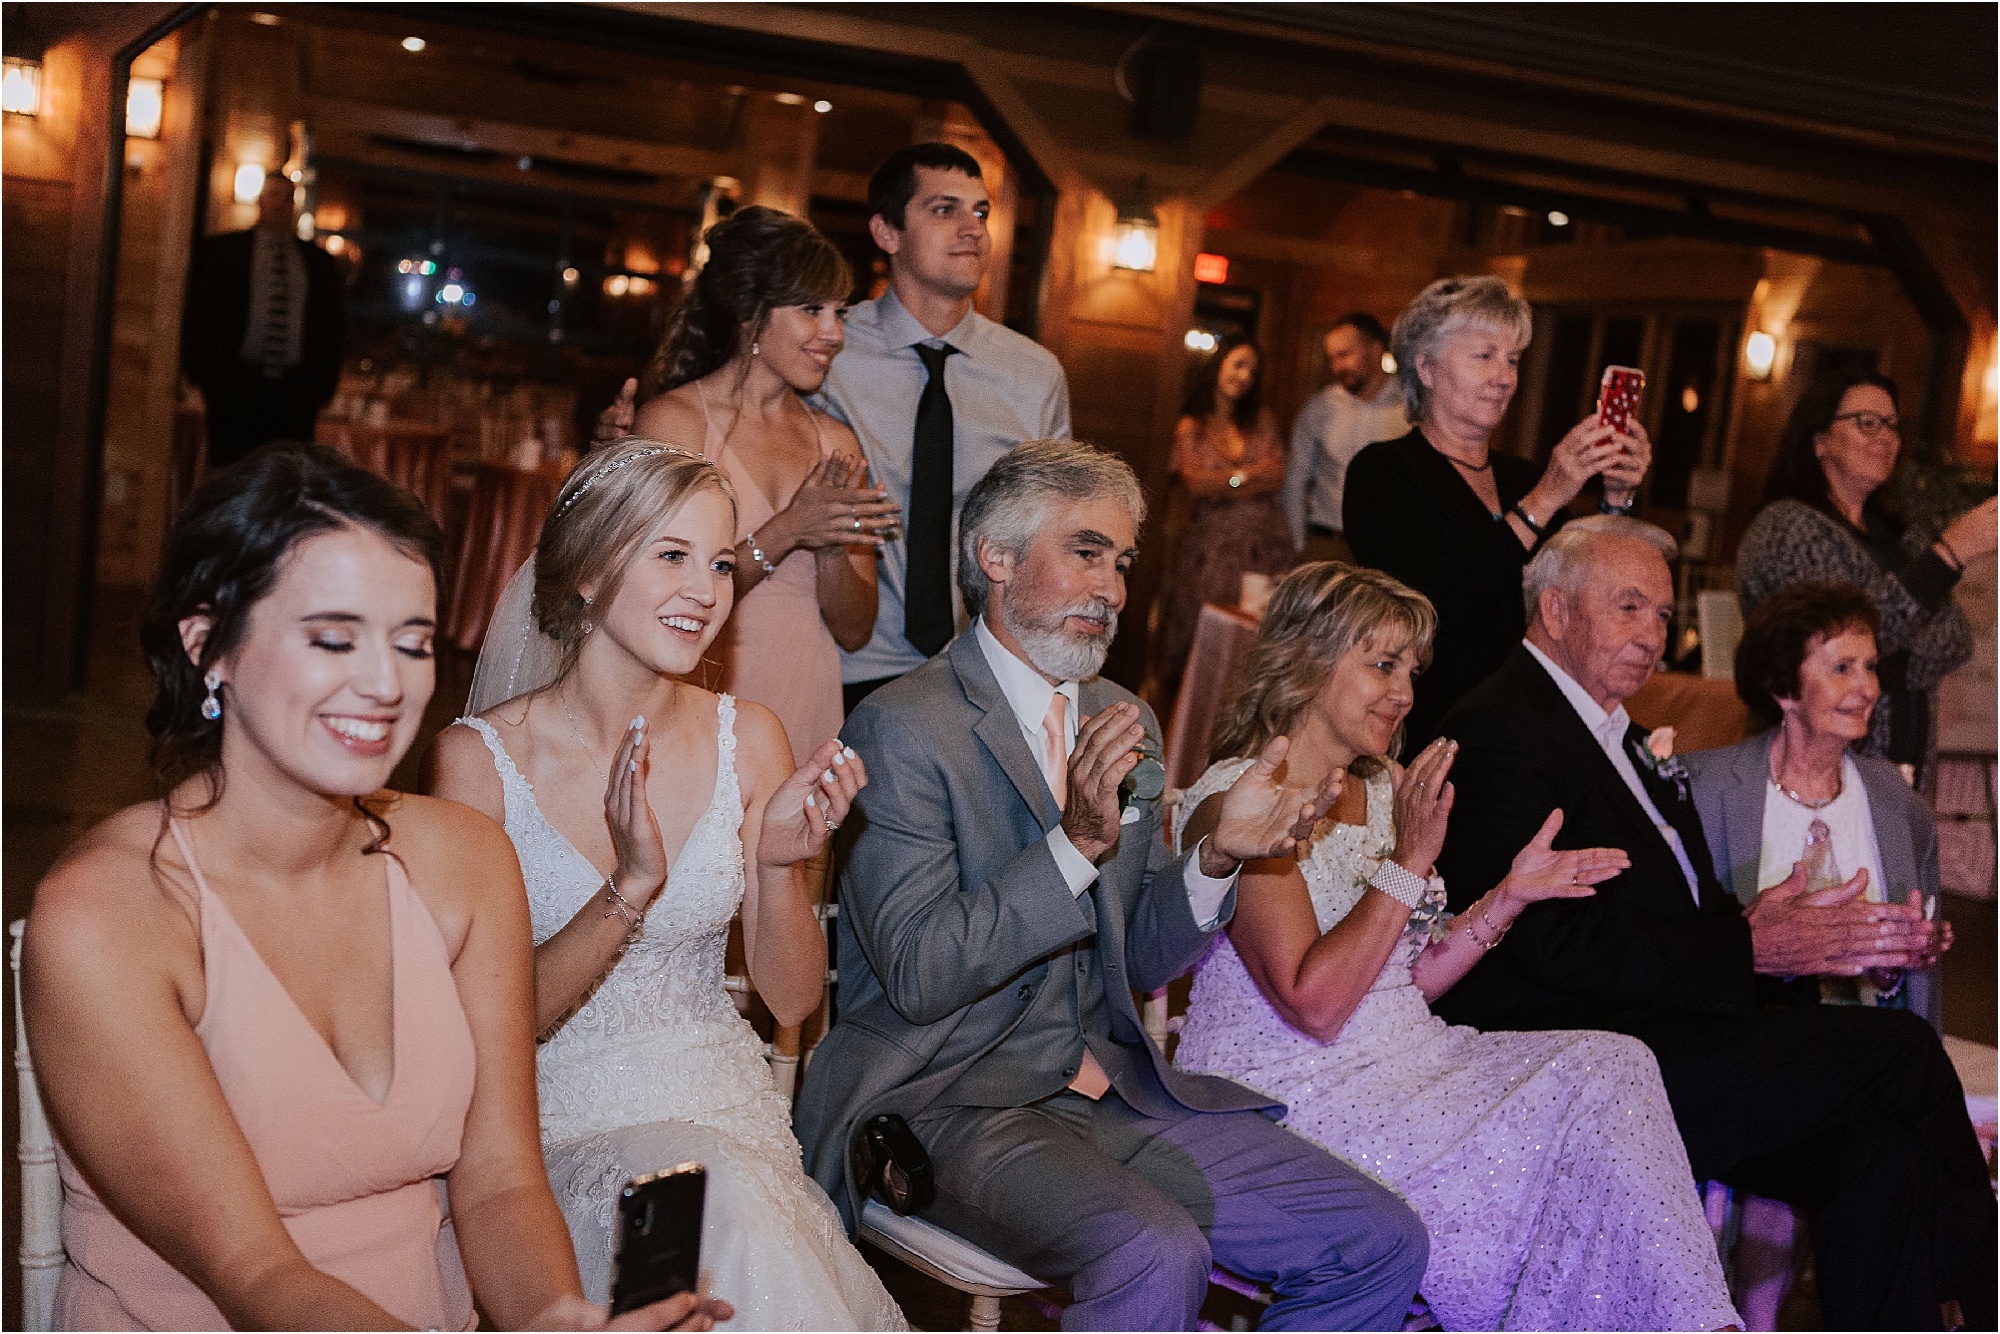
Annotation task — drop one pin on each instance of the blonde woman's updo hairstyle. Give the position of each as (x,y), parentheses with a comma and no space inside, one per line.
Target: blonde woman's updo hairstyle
(758,259)
(1317,613)
(600,520)
(1443,308)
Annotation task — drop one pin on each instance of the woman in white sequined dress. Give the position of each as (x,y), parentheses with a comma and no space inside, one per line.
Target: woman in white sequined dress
(645,1061)
(1546,1166)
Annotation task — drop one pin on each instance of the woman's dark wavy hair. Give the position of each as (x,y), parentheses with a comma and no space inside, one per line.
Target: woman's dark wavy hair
(223,556)
(1200,401)
(758,259)
(1780,633)
(1796,473)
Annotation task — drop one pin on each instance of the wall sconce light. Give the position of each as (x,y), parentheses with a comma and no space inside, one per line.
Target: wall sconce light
(1136,236)
(21,86)
(1211,268)
(145,102)
(249,182)
(1199,340)
(1760,353)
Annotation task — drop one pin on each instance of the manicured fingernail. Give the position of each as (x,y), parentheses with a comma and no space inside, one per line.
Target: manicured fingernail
(840,757)
(639,723)
(810,803)
(826,777)
(635,766)
(848,751)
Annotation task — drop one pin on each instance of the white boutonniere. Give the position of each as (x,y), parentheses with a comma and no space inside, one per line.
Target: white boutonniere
(1656,752)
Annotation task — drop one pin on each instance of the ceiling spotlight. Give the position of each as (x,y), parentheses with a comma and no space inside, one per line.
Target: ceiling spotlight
(1558,218)
(267,20)
(413,44)
(792,99)
(822,106)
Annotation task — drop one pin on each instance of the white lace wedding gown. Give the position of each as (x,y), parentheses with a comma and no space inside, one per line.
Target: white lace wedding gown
(658,1068)
(1546,1166)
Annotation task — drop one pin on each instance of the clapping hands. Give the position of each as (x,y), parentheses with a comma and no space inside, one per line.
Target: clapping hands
(1794,932)
(834,506)
(807,807)
(1261,817)
(1540,872)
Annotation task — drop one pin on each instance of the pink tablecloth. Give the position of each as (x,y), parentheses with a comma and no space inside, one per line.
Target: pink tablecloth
(414,455)
(503,522)
(1222,635)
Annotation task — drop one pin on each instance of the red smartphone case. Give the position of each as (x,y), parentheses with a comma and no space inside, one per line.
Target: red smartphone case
(1618,397)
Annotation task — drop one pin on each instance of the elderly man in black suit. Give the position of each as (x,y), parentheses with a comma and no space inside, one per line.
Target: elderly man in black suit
(1852,1114)
(261,330)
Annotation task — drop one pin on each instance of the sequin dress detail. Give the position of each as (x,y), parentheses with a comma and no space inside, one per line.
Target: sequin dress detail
(1546,1166)
(658,1068)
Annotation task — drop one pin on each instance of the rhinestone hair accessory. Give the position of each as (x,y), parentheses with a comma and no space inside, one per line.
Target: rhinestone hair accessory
(627,461)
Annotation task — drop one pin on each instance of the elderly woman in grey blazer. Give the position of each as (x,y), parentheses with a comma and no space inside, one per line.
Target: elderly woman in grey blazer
(1799,791)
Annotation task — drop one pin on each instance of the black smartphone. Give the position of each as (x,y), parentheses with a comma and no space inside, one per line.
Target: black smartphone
(657,1253)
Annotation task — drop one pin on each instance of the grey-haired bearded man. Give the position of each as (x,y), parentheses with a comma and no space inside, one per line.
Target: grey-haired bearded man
(1000,903)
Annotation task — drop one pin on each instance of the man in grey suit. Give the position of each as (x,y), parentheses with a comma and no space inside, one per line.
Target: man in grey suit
(998,908)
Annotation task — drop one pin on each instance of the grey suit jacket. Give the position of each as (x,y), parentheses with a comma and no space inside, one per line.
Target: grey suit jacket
(1730,788)
(953,911)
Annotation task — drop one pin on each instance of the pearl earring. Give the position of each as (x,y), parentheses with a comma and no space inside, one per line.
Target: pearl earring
(211,706)
(755,347)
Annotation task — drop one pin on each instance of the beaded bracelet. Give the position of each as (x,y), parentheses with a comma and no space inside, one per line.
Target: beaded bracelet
(757,554)
(1399,883)
(621,907)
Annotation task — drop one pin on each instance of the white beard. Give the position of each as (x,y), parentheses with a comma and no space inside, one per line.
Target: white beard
(1052,651)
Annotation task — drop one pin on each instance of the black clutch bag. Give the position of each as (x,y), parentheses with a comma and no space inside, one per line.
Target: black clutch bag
(892,1166)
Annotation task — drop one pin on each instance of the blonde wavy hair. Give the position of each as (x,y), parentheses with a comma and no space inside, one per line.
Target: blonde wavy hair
(600,518)
(1317,614)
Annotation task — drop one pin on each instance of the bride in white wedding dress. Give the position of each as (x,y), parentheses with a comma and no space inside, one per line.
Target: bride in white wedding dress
(632,882)
(1546,1166)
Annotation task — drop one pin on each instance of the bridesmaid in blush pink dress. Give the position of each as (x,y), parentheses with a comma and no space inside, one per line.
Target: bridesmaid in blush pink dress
(759,329)
(282,1014)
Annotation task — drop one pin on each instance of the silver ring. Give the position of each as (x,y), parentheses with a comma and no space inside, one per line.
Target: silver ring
(857,523)
(831,825)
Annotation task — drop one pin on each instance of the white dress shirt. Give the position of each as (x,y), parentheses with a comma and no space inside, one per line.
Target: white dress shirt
(1610,729)
(1005,388)
(1028,694)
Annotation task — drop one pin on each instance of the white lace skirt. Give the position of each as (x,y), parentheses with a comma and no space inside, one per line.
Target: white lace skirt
(771,1242)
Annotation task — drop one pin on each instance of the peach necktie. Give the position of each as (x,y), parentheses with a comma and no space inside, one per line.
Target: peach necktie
(1055,748)
(1090,1080)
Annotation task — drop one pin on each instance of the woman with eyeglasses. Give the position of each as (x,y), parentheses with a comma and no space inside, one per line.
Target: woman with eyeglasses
(1826,517)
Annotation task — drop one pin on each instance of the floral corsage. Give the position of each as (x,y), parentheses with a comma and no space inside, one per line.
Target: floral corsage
(1657,754)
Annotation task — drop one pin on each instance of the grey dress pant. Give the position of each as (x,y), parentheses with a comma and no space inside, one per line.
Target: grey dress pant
(1127,1211)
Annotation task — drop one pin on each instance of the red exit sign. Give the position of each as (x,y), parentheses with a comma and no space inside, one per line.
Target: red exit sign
(1211,268)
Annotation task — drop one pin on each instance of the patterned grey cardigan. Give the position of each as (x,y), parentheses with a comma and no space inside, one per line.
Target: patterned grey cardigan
(1790,541)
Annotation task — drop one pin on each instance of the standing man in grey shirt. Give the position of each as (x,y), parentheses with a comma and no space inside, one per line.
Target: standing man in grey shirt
(1362,405)
(936,392)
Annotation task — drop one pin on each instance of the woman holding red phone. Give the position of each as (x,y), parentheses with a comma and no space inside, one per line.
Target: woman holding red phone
(1443,513)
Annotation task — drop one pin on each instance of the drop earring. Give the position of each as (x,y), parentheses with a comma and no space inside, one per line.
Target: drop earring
(755,347)
(587,626)
(211,704)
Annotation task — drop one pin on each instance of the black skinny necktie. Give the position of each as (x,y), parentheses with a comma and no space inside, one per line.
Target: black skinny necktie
(928,619)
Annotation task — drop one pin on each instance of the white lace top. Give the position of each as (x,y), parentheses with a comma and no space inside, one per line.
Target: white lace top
(659,1039)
